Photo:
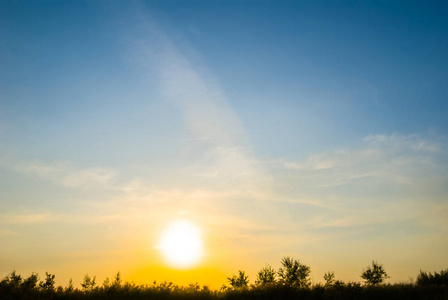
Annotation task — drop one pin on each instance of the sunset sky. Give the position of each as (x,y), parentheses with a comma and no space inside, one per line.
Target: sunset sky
(311,129)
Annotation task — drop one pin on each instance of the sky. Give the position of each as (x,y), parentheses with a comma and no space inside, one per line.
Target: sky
(311,129)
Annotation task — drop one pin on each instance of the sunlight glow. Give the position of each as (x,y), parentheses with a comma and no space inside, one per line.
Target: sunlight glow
(181,244)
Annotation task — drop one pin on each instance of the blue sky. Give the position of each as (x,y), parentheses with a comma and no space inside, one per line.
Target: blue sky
(311,129)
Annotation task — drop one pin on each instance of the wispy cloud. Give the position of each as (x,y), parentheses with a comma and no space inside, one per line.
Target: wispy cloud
(395,158)
(385,178)
(64,174)
(223,158)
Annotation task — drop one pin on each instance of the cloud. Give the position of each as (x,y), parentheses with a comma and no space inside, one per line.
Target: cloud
(66,174)
(395,158)
(221,154)
(398,143)
(396,181)
(186,83)
(383,179)
(88,178)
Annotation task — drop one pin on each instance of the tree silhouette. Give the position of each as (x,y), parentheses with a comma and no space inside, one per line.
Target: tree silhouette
(30,282)
(48,283)
(329,278)
(293,273)
(240,281)
(88,283)
(117,280)
(374,274)
(266,276)
(13,279)
(70,288)
(441,278)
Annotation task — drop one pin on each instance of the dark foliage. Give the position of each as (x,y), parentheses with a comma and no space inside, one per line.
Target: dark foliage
(329,279)
(48,284)
(293,273)
(266,276)
(374,274)
(239,281)
(441,278)
(429,286)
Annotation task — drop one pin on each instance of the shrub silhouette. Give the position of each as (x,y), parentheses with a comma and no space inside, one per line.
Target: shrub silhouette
(329,278)
(13,279)
(293,273)
(266,276)
(374,274)
(115,284)
(70,288)
(48,284)
(88,283)
(240,281)
(441,278)
(30,282)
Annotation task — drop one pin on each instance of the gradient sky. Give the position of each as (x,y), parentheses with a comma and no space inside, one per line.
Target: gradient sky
(313,129)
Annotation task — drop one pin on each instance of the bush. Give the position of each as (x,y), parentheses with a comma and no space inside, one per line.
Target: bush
(329,279)
(374,274)
(266,276)
(293,273)
(48,284)
(88,283)
(441,278)
(240,281)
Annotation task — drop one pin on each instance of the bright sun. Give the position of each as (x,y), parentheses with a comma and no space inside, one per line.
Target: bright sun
(181,244)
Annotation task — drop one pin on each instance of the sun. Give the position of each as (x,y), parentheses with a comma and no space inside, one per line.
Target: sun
(181,244)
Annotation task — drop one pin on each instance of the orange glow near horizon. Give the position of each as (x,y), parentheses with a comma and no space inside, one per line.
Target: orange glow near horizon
(213,278)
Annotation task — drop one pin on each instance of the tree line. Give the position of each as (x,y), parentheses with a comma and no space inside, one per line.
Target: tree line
(293,273)
(291,281)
